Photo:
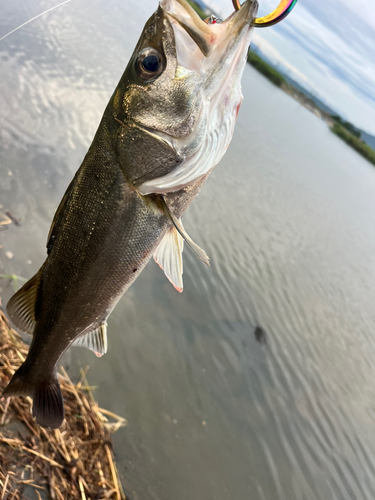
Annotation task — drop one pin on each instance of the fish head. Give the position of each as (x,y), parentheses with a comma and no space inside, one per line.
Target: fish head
(179,97)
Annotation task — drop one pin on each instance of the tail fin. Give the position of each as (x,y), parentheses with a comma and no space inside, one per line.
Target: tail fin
(48,405)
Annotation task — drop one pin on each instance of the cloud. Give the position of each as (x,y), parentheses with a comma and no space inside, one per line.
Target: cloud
(272,53)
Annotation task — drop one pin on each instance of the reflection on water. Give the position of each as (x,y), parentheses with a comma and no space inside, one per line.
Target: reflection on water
(257,381)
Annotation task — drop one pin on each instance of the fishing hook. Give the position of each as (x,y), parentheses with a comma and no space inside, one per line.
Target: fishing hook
(284,8)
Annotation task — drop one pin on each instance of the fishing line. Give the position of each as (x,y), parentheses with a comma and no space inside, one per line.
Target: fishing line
(33,19)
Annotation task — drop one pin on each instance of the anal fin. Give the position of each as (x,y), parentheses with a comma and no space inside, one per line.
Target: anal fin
(21,307)
(169,257)
(96,340)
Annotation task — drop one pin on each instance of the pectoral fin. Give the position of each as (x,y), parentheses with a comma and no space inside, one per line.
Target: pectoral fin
(96,340)
(21,307)
(179,227)
(169,257)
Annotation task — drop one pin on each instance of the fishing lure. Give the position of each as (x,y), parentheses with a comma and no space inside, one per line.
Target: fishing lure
(280,13)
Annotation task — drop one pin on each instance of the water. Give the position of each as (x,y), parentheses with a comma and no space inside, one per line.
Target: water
(288,221)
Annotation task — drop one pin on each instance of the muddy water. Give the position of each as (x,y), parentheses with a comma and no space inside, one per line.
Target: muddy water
(288,221)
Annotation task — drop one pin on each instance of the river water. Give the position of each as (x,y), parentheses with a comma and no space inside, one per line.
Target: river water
(287,218)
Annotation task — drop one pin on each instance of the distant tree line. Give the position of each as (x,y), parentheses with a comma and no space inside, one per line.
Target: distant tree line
(266,69)
(347,125)
(353,141)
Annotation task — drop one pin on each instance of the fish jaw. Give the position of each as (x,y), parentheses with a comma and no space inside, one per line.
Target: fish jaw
(200,46)
(211,58)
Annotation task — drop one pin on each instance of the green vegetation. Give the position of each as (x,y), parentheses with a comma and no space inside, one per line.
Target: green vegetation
(266,69)
(347,125)
(353,141)
(12,278)
(197,9)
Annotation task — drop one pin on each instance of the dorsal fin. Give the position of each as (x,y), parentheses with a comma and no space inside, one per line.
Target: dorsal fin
(169,257)
(21,307)
(96,340)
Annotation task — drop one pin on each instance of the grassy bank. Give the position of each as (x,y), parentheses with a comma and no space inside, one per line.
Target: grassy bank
(266,69)
(353,141)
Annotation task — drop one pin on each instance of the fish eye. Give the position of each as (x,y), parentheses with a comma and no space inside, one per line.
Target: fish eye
(150,64)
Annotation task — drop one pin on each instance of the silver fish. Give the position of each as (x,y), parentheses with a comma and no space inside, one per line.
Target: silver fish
(167,124)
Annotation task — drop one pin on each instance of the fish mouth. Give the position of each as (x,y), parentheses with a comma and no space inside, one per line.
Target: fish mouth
(208,38)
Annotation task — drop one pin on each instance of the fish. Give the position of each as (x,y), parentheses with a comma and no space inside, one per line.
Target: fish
(167,124)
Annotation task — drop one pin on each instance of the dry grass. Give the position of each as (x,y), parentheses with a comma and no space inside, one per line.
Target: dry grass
(4,221)
(71,463)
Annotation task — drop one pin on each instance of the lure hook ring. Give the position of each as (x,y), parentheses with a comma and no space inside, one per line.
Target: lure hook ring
(280,13)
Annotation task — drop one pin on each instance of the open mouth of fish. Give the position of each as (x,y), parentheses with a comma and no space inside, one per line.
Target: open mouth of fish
(216,53)
(207,41)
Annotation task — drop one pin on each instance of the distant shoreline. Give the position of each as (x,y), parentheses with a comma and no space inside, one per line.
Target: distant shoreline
(345,130)
(279,80)
(353,141)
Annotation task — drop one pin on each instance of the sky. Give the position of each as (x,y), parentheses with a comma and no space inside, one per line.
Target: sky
(329,47)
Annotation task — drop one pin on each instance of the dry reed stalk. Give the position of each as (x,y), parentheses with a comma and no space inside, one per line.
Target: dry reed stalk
(5,220)
(74,462)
